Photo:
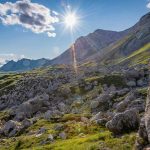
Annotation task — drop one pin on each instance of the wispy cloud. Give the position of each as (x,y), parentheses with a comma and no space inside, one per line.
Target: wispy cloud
(7,57)
(32,16)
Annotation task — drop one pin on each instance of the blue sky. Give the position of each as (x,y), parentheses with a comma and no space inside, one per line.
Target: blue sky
(17,41)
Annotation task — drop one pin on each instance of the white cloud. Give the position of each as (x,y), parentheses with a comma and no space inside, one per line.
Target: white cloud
(32,16)
(4,58)
(148,5)
(51,34)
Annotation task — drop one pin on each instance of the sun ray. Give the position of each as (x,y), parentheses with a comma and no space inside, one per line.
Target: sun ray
(74,59)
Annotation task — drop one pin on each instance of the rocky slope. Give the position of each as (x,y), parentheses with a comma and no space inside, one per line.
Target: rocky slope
(54,106)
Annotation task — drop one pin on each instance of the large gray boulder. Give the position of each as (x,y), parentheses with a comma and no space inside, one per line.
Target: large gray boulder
(101,118)
(63,107)
(147,115)
(122,106)
(11,128)
(142,138)
(138,104)
(94,104)
(131,83)
(102,103)
(51,115)
(122,91)
(141,82)
(132,73)
(32,106)
(124,122)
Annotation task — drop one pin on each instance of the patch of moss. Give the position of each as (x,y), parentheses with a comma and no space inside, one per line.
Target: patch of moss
(76,117)
(140,56)
(143,91)
(8,82)
(40,123)
(92,137)
(114,79)
(4,115)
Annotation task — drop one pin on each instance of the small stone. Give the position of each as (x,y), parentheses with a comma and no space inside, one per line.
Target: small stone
(50,137)
(81,135)
(63,135)
(94,104)
(131,83)
(102,122)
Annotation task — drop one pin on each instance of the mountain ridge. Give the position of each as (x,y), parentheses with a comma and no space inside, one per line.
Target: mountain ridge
(102,46)
(23,64)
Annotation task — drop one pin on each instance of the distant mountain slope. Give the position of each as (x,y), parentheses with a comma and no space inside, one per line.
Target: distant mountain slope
(109,46)
(23,64)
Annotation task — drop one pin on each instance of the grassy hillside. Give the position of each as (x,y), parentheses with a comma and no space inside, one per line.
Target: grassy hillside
(140,56)
(80,137)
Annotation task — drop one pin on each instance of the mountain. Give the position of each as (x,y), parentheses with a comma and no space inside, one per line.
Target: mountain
(86,46)
(133,48)
(108,46)
(128,47)
(23,64)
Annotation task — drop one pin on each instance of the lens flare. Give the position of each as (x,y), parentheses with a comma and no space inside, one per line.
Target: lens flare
(71,21)
(74,59)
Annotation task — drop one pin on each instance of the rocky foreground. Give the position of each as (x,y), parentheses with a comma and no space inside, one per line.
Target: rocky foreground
(54,108)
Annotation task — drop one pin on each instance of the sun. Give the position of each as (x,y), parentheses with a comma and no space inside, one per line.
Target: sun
(70,20)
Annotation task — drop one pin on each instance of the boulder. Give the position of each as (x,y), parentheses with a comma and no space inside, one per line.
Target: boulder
(26,123)
(62,107)
(11,128)
(59,127)
(42,130)
(50,137)
(122,106)
(98,116)
(147,116)
(138,104)
(102,122)
(32,106)
(142,138)
(132,73)
(102,103)
(124,122)
(63,135)
(52,115)
(84,119)
(94,104)
(131,83)
(102,115)
(140,83)
(122,91)
(88,87)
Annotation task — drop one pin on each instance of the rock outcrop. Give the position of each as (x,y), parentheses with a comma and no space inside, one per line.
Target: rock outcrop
(124,122)
(144,129)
